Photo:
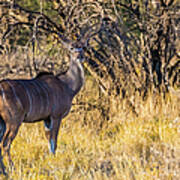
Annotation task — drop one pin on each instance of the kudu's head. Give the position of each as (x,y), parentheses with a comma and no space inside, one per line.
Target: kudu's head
(76,51)
(77,48)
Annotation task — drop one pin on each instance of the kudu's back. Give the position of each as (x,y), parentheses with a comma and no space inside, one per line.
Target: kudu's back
(35,99)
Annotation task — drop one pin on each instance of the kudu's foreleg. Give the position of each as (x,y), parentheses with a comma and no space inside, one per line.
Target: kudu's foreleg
(51,131)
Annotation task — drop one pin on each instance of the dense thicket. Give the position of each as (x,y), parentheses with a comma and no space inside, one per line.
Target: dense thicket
(136,47)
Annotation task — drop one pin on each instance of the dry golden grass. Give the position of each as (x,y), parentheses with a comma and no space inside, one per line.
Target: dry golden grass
(104,139)
(124,147)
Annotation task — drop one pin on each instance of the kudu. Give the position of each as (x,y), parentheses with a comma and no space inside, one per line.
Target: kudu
(46,97)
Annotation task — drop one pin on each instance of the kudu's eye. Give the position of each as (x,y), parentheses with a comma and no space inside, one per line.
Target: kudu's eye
(71,48)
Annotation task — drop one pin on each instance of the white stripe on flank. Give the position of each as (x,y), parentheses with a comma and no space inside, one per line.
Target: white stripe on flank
(14,92)
(45,90)
(3,93)
(39,92)
(29,97)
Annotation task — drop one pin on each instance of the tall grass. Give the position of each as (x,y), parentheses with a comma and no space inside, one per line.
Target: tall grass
(102,138)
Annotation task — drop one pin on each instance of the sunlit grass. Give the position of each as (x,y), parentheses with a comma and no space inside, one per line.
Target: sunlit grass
(124,146)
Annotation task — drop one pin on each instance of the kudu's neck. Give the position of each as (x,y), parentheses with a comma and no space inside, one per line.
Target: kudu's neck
(74,77)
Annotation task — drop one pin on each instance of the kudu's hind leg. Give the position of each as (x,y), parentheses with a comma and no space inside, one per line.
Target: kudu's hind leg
(51,131)
(10,134)
(2,170)
(2,131)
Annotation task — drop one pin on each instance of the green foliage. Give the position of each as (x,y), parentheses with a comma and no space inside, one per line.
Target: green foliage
(33,5)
